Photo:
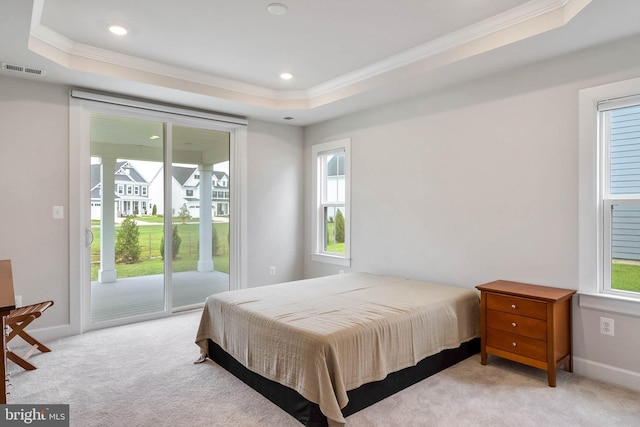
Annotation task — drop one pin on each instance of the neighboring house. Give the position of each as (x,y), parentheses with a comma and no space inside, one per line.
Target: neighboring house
(186,191)
(625,179)
(131,191)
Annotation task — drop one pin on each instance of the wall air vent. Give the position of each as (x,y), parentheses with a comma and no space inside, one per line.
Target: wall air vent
(22,69)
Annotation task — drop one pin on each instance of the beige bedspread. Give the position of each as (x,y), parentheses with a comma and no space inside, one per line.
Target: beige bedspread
(325,336)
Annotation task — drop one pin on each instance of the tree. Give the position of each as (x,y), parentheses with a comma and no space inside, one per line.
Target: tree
(339,231)
(184,214)
(154,211)
(128,242)
(176,240)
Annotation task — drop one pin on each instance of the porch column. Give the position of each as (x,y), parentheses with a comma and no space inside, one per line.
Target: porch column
(205,262)
(107,272)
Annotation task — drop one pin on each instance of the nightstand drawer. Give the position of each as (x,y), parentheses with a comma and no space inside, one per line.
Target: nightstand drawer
(515,305)
(520,325)
(517,344)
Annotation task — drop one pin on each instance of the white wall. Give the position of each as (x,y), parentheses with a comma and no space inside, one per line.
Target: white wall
(34,121)
(275,179)
(480,182)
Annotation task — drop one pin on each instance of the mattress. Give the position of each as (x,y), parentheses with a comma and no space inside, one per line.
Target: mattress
(325,336)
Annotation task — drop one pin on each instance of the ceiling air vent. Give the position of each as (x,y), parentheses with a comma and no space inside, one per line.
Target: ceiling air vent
(22,69)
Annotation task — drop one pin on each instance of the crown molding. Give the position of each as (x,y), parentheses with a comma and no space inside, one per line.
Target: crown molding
(71,48)
(506,20)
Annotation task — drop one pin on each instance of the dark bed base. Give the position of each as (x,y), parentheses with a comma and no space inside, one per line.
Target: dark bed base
(308,413)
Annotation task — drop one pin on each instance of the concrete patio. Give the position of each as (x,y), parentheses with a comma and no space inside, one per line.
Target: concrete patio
(145,294)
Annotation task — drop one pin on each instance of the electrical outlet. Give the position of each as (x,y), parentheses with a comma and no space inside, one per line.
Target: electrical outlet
(272,270)
(606,326)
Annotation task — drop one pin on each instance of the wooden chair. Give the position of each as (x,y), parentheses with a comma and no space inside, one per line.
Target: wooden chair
(19,318)
(7,303)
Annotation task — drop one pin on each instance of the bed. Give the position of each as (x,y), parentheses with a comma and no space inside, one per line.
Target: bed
(327,347)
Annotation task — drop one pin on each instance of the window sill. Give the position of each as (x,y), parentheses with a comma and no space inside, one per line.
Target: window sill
(331,259)
(610,303)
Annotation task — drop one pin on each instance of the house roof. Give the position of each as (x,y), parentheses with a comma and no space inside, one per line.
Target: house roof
(124,171)
(335,167)
(182,174)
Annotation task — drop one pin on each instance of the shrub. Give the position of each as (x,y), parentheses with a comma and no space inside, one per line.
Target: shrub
(215,246)
(339,232)
(127,242)
(177,240)
(154,211)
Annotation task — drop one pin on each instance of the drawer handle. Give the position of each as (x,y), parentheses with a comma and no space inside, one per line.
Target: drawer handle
(513,306)
(514,344)
(514,324)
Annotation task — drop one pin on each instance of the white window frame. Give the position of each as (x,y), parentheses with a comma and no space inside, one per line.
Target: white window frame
(317,252)
(610,199)
(595,204)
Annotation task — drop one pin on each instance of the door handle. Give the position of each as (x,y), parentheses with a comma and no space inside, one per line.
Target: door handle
(88,234)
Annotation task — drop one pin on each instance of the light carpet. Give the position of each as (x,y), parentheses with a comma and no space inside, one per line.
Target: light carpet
(143,375)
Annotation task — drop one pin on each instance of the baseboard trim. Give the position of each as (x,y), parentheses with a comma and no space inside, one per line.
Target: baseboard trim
(607,373)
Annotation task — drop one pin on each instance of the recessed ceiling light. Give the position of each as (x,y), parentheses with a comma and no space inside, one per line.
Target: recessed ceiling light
(154,137)
(118,30)
(286,76)
(277,9)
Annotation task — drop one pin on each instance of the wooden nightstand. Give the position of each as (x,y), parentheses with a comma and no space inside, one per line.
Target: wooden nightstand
(525,323)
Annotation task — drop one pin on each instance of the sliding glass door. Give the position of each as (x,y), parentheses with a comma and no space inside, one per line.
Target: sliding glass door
(159,227)
(199,214)
(127,273)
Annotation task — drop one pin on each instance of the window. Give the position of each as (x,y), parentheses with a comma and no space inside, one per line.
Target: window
(620,141)
(331,214)
(144,191)
(189,193)
(136,190)
(120,189)
(129,190)
(609,197)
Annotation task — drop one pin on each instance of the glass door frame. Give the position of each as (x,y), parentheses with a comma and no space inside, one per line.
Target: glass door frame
(82,104)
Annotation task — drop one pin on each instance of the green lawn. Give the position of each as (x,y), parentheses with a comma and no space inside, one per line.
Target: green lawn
(332,246)
(150,238)
(625,277)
